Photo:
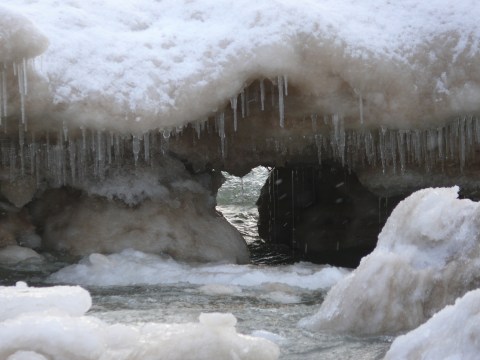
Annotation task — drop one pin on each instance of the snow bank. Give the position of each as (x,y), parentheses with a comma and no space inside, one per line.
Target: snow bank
(427,255)
(452,333)
(133,267)
(30,332)
(19,38)
(146,64)
(21,299)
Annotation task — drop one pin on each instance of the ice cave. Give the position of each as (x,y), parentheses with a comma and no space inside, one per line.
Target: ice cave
(119,123)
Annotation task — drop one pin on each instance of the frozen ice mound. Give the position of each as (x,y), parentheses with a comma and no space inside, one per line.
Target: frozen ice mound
(131,267)
(155,64)
(34,327)
(21,299)
(452,333)
(427,255)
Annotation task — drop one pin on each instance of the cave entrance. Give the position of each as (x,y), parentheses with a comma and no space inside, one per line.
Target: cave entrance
(236,200)
(322,214)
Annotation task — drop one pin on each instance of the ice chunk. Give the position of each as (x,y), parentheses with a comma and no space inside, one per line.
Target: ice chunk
(452,333)
(13,254)
(426,256)
(21,299)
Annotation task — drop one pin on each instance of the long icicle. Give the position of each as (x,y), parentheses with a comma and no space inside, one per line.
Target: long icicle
(281,104)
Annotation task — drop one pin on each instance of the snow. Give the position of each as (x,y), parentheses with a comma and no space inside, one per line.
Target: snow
(49,323)
(427,255)
(452,333)
(133,267)
(150,64)
(21,299)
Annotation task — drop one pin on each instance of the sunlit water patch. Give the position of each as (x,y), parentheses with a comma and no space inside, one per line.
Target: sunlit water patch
(236,200)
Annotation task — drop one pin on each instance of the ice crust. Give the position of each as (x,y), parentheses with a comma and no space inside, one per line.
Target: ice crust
(134,267)
(452,333)
(22,299)
(427,255)
(49,323)
(147,64)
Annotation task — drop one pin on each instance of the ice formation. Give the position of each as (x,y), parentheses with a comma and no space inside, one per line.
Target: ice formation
(22,299)
(452,333)
(427,256)
(92,91)
(134,267)
(156,209)
(410,62)
(49,323)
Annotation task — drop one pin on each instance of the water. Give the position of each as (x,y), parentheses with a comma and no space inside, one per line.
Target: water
(270,310)
(236,201)
(258,316)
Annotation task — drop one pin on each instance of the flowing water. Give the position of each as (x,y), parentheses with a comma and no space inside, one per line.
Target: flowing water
(178,293)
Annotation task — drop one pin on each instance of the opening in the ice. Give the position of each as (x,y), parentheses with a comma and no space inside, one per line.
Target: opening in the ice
(236,200)
(321,213)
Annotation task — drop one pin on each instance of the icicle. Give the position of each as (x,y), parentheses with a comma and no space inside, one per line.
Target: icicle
(100,154)
(382,148)
(221,132)
(110,141)
(146,146)
(462,141)
(360,105)
(4,90)
(243,100)
(13,164)
(393,149)
(135,148)
(72,157)
(47,150)
(117,148)
(285,82)
(198,128)
(401,150)
(21,143)
(318,142)
(65,131)
(339,136)
(233,103)
(314,121)
(33,150)
(24,73)
(281,104)
(477,131)
(262,94)
(21,90)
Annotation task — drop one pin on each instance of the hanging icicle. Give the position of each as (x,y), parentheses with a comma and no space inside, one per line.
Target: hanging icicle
(262,94)
(360,106)
(135,148)
(146,147)
(221,132)
(233,103)
(281,104)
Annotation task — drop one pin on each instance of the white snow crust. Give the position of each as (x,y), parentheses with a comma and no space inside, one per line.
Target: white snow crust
(140,65)
(453,333)
(21,299)
(134,267)
(38,327)
(427,255)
